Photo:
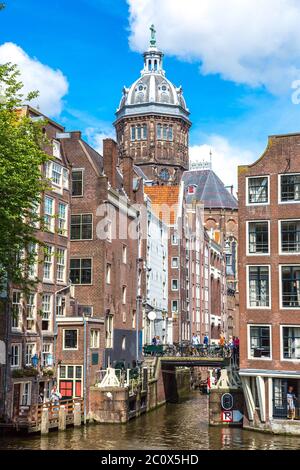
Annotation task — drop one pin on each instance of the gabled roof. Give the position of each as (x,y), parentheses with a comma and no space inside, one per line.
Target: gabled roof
(209,189)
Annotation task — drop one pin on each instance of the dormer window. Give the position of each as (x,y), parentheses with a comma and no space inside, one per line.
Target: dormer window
(141,88)
(56,149)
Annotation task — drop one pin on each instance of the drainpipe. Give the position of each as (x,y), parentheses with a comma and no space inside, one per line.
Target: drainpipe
(7,316)
(137,291)
(84,366)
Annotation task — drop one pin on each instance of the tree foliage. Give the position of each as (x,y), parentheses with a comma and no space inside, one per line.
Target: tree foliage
(21,178)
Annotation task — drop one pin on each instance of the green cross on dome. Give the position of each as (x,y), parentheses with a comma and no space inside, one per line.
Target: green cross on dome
(153,36)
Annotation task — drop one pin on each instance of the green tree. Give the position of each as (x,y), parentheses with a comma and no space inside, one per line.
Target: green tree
(2,6)
(21,179)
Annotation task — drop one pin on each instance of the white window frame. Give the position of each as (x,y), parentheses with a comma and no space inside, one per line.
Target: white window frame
(59,266)
(23,385)
(287,253)
(248,204)
(124,254)
(289,265)
(124,295)
(34,313)
(174,258)
(50,225)
(66,178)
(94,339)
(172,289)
(50,279)
(20,308)
(263,325)
(70,349)
(279,188)
(109,342)
(58,305)
(108,273)
(248,222)
(281,343)
(56,147)
(44,353)
(50,312)
(19,346)
(248,287)
(63,221)
(172,302)
(174,236)
(29,363)
(33,271)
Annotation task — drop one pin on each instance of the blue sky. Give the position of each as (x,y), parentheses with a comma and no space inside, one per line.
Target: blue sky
(235,81)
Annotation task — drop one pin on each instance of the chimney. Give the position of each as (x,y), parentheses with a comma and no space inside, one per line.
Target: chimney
(127,170)
(76,135)
(110,160)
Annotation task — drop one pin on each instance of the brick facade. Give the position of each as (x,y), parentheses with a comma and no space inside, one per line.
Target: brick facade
(269,363)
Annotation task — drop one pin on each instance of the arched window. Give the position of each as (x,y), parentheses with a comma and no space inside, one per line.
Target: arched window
(155,65)
(170,133)
(159,131)
(132,132)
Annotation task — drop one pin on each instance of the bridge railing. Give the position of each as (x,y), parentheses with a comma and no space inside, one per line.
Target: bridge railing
(186,349)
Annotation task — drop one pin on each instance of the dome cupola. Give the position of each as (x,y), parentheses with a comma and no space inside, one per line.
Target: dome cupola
(153,92)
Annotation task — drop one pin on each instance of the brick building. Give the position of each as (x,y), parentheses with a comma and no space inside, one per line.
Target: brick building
(104,266)
(220,221)
(269,277)
(29,331)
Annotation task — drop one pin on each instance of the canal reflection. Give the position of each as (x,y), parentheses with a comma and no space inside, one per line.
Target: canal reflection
(173,427)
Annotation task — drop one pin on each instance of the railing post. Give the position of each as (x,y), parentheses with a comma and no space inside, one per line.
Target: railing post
(45,421)
(77,414)
(62,422)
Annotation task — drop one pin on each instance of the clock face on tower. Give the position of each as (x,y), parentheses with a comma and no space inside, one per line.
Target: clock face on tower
(164,175)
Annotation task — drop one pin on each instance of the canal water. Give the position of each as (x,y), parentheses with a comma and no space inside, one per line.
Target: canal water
(182,426)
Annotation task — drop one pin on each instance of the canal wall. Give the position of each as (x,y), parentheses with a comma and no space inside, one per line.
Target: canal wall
(218,416)
(117,405)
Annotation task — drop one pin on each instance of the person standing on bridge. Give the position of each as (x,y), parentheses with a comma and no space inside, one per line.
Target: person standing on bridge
(206,340)
(195,340)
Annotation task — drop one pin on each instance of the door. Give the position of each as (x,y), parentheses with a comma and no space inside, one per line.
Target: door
(279,398)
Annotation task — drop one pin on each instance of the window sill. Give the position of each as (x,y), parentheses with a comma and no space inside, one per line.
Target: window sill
(268,359)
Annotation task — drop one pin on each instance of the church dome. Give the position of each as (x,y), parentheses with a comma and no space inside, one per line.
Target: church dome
(153,92)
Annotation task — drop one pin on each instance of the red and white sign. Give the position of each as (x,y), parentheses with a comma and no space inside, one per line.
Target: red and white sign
(227,417)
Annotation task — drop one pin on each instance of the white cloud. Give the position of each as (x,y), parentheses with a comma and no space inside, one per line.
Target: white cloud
(226,157)
(253,42)
(51,84)
(95,136)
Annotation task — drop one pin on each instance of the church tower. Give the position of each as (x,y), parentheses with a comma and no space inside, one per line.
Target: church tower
(152,122)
